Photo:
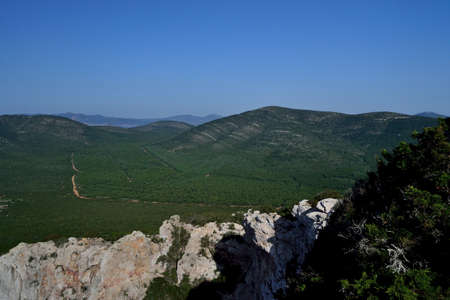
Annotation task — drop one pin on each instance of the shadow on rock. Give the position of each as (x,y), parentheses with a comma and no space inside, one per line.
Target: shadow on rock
(255,266)
(232,257)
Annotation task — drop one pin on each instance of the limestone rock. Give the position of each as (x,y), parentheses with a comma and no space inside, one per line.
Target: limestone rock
(273,242)
(197,262)
(97,269)
(79,269)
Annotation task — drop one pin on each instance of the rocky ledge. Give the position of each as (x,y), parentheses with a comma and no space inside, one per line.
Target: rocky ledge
(256,254)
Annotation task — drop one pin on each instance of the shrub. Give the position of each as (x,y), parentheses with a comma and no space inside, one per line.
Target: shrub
(390,236)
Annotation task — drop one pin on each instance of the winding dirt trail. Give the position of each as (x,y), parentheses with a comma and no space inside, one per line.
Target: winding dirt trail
(75,189)
(74,184)
(73,165)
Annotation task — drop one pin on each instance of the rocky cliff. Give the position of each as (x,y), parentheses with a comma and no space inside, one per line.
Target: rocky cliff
(257,254)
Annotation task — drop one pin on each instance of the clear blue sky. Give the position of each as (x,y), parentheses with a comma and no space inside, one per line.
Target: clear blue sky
(160,58)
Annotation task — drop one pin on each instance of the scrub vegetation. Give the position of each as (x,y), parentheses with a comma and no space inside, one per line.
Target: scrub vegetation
(390,238)
(133,179)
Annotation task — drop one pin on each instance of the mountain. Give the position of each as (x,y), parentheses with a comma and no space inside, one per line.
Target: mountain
(47,133)
(168,125)
(25,127)
(292,129)
(430,114)
(99,120)
(306,150)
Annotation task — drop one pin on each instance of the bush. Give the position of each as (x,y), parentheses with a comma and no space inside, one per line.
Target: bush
(390,236)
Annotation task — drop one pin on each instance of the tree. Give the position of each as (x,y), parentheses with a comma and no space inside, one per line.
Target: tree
(390,239)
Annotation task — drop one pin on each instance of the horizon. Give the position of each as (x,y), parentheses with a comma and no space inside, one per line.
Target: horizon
(152,59)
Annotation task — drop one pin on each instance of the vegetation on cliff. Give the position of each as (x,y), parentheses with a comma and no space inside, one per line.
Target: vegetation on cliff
(390,238)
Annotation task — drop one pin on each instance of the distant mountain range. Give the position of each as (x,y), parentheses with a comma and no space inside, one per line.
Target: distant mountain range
(430,114)
(99,120)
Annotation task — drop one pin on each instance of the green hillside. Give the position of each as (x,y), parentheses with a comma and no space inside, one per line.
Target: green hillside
(275,155)
(129,179)
(36,194)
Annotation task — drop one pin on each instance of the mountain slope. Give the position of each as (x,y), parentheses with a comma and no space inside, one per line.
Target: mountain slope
(168,125)
(307,149)
(43,158)
(430,114)
(56,132)
(99,120)
(22,128)
(269,127)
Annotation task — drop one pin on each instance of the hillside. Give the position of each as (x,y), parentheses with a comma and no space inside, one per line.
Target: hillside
(39,157)
(47,128)
(429,114)
(99,120)
(16,129)
(270,127)
(307,149)
(168,125)
(37,150)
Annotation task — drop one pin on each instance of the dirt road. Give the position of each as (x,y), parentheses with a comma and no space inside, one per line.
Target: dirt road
(75,189)
(73,165)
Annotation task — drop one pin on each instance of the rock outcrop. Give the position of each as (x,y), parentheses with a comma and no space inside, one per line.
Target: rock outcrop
(274,242)
(91,268)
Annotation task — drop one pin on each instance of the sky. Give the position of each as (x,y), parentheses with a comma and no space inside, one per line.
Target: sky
(159,58)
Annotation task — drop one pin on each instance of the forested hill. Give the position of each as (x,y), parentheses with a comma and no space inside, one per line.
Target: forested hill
(430,114)
(99,120)
(290,130)
(53,132)
(316,148)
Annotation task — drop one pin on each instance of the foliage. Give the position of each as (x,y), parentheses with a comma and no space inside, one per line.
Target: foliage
(167,287)
(180,238)
(390,238)
(415,284)
(162,289)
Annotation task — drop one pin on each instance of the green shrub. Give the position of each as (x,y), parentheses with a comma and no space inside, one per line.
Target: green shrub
(389,239)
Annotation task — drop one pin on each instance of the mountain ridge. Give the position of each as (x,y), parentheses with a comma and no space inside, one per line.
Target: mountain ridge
(430,114)
(100,120)
(247,125)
